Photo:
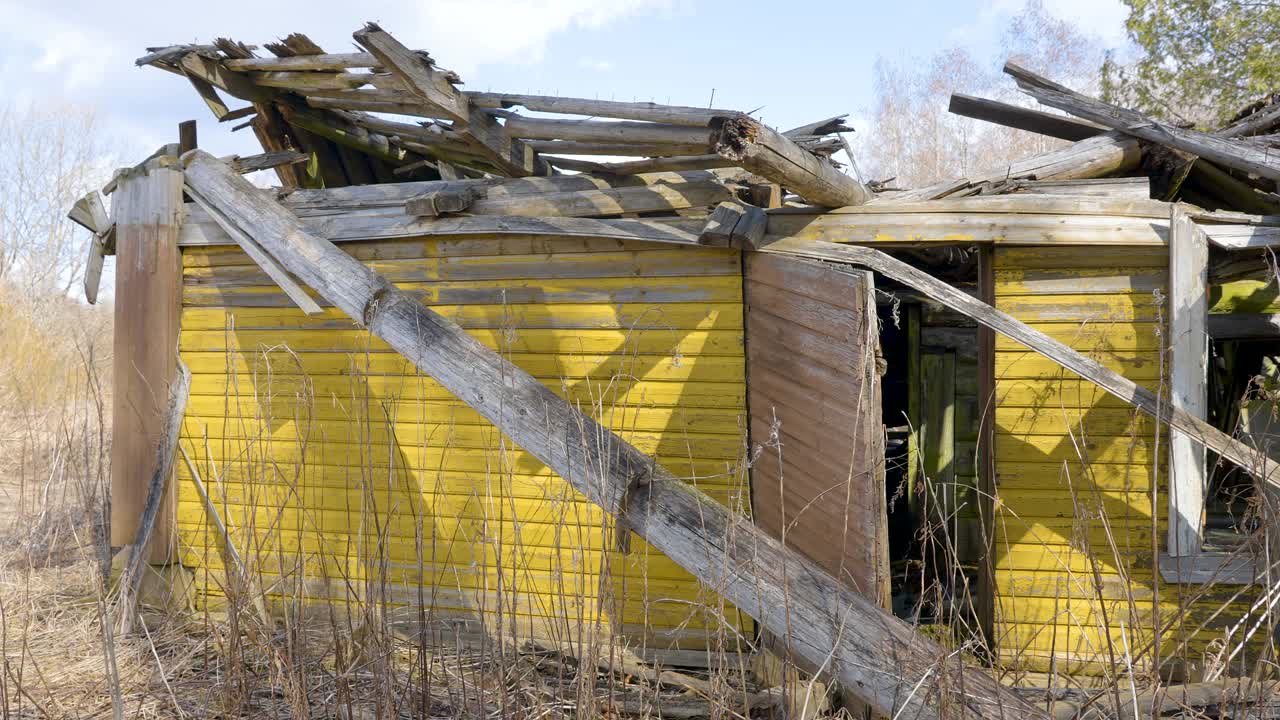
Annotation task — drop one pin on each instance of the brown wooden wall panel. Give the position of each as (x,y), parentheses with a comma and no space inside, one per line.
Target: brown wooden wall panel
(817,475)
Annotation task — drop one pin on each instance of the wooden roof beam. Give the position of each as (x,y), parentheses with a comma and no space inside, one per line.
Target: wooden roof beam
(652,112)
(1020,118)
(757,148)
(433,87)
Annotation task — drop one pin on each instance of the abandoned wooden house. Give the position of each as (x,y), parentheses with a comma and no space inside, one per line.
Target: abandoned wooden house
(452,369)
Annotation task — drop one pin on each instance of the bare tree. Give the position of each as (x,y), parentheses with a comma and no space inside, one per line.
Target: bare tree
(914,139)
(52,156)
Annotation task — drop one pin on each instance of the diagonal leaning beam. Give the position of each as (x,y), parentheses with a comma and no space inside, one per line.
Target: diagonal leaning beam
(1201,432)
(897,671)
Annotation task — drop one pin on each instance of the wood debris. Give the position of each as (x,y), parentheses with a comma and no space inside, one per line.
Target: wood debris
(307,100)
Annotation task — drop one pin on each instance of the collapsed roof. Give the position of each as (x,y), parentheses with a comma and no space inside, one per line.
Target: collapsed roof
(338,109)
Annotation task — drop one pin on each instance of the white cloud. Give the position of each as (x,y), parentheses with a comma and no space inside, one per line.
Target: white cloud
(465,34)
(59,52)
(71,49)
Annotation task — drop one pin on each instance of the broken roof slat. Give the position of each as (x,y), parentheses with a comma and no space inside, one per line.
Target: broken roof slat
(1020,118)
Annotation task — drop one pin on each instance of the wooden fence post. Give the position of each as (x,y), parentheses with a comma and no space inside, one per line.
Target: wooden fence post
(147,205)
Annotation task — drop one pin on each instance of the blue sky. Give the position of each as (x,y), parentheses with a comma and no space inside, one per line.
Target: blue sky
(801,62)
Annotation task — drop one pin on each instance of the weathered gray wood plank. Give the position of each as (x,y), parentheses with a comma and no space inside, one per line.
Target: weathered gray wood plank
(759,149)
(1189,356)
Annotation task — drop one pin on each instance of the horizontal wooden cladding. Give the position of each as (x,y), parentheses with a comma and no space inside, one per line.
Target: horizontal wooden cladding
(1066,393)
(1061,448)
(1090,337)
(1083,308)
(1087,611)
(640,341)
(1075,477)
(414,267)
(344,486)
(1068,259)
(1075,466)
(371,391)
(411,248)
(1028,551)
(622,316)
(322,445)
(513,596)
(1143,367)
(1077,281)
(1077,500)
(296,465)
(625,264)
(648,290)
(1087,422)
(825,284)
(378,436)
(462,496)
(571,367)
(961,227)
(375,414)
(468,558)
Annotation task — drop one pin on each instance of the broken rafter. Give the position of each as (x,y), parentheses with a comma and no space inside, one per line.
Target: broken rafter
(1020,118)
(895,669)
(574,147)
(1244,156)
(433,87)
(772,155)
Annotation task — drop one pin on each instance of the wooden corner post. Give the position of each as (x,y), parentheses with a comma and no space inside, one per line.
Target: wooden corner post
(1188,317)
(147,206)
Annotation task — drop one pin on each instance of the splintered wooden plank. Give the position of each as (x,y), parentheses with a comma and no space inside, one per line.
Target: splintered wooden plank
(89,213)
(803,605)
(433,87)
(761,150)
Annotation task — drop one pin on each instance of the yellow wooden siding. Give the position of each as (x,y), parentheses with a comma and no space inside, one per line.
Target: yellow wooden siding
(1075,591)
(343,473)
